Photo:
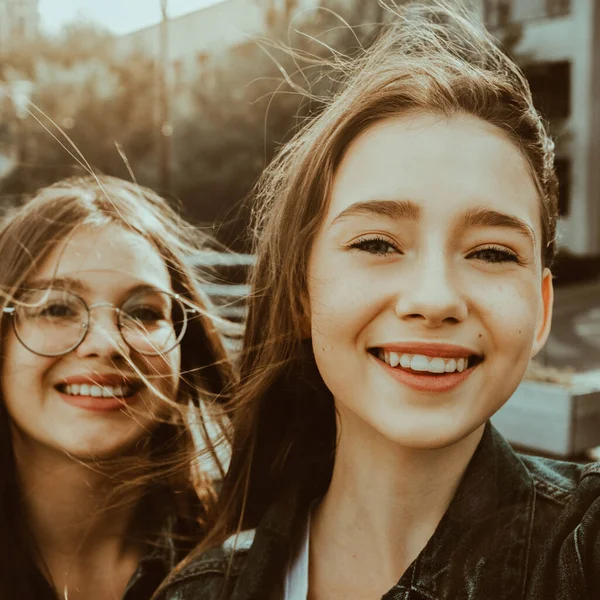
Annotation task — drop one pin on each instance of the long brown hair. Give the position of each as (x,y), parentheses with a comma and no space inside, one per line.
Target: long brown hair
(27,236)
(435,59)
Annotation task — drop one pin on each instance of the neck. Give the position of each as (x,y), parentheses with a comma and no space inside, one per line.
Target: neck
(65,504)
(385,501)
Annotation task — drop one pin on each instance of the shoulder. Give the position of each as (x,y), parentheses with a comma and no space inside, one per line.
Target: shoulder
(208,575)
(563,482)
(565,529)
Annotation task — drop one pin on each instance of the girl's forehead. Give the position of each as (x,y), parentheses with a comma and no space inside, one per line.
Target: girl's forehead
(441,164)
(110,251)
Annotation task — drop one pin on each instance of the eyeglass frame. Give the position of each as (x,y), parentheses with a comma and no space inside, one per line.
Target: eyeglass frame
(11,311)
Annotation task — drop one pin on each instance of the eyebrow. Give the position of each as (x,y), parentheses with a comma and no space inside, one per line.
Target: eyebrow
(391,209)
(69,283)
(75,284)
(408,210)
(487,217)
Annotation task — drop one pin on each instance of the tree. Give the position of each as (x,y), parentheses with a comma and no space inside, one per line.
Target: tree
(228,121)
(98,101)
(240,109)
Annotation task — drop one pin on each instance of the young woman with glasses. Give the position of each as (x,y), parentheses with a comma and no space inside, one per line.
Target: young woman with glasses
(111,361)
(402,284)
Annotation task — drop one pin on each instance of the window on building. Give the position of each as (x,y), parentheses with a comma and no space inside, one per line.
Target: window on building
(497,13)
(178,74)
(289,6)
(19,28)
(562,166)
(178,67)
(551,88)
(556,8)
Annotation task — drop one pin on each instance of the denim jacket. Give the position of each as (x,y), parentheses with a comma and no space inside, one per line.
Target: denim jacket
(518,528)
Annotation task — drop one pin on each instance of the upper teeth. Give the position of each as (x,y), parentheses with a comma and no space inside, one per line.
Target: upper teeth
(419,362)
(105,391)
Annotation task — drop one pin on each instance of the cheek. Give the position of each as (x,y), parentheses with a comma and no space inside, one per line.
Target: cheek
(20,363)
(341,306)
(333,312)
(22,375)
(510,313)
(340,314)
(164,371)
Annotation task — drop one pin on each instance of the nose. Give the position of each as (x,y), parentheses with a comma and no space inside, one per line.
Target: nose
(432,294)
(103,338)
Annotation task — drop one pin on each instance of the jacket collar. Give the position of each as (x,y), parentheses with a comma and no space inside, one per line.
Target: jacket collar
(265,565)
(483,540)
(481,544)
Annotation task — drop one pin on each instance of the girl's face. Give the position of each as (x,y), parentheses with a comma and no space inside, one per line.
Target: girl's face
(426,289)
(53,402)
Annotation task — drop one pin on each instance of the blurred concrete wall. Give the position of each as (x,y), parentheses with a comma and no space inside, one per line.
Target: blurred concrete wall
(198,33)
(194,36)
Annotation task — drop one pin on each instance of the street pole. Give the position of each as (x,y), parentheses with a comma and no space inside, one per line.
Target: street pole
(165,131)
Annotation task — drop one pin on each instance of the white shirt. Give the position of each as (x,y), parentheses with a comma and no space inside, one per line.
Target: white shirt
(296,578)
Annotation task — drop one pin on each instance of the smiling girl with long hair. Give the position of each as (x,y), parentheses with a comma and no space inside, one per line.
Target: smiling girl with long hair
(404,239)
(111,364)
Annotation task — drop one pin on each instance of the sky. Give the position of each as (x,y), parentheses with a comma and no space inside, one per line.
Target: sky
(119,16)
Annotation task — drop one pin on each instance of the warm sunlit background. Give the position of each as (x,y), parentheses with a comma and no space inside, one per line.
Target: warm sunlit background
(192,102)
(118,16)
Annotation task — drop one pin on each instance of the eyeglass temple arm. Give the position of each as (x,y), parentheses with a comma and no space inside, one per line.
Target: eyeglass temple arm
(11,309)
(187,309)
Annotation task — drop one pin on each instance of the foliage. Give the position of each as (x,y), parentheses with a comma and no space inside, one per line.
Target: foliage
(81,88)
(241,108)
(229,115)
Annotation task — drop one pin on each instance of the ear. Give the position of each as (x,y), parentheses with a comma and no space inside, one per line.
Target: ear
(544,319)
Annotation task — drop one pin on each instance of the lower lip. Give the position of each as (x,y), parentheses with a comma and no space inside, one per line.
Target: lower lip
(95,404)
(427,382)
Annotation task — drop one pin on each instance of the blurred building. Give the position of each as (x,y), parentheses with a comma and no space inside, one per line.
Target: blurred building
(19,22)
(557,42)
(192,37)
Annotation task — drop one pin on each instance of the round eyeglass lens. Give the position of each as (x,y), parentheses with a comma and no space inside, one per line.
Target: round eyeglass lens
(50,322)
(152,322)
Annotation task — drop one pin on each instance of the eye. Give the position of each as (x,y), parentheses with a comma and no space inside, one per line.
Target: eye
(375,245)
(495,254)
(145,314)
(56,311)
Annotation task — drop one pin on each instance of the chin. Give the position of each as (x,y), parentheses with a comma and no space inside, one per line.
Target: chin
(106,449)
(428,434)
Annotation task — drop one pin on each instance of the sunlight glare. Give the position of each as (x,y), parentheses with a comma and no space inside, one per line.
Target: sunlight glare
(117,16)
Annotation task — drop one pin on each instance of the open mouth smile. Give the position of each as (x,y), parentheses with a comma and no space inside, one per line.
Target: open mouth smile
(98,391)
(114,393)
(427,372)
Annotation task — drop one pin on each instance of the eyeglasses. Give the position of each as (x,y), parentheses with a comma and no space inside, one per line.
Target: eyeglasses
(53,322)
